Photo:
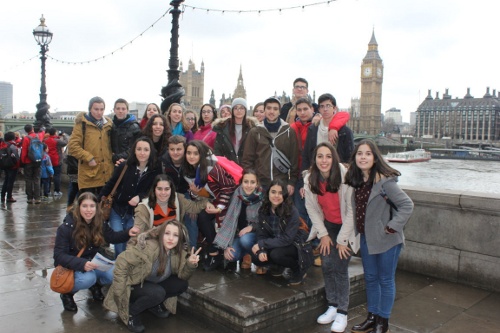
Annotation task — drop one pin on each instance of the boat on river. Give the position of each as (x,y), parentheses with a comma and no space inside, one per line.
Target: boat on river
(491,154)
(413,156)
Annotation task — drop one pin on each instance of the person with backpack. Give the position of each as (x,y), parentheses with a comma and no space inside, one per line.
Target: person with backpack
(47,172)
(9,162)
(31,158)
(56,142)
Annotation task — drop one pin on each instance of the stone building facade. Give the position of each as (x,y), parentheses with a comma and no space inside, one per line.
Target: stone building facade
(466,118)
(193,82)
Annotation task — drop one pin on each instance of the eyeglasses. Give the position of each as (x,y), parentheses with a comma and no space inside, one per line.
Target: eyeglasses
(300,87)
(207,112)
(190,119)
(326,106)
(239,108)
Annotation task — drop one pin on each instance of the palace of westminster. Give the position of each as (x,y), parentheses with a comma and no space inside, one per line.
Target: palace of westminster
(466,118)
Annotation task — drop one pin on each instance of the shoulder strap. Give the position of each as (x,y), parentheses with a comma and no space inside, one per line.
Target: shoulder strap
(118,181)
(84,127)
(81,252)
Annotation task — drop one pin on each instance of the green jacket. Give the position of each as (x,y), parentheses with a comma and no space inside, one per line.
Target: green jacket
(134,265)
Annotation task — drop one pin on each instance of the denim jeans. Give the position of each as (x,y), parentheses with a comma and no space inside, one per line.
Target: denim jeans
(243,245)
(32,178)
(85,280)
(380,271)
(45,187)
(191,226)
(8,183)
(119,223)
(57,178)
(335,273)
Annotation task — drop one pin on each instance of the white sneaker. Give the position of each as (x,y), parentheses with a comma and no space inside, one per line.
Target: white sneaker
(328,316)
(340,323)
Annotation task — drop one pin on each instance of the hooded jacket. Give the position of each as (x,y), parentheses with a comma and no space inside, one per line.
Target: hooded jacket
(223,143)
(258,153)
(134,265)
(96,145)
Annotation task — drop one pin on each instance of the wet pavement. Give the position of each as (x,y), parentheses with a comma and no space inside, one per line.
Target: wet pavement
(27,234)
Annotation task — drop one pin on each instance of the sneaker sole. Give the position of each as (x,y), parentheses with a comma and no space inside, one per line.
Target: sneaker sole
(297,283)
(325,322)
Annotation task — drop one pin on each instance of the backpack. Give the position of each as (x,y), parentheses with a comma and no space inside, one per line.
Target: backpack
(233,169)
(7,158)
(35,149)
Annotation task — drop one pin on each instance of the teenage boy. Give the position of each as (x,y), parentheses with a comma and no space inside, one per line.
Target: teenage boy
(124,132)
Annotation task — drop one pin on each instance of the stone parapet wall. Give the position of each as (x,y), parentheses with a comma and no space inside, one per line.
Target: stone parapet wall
(454,236)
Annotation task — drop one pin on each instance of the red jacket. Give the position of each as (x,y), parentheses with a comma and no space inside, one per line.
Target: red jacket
(51,143)
(12,143)
(26,144)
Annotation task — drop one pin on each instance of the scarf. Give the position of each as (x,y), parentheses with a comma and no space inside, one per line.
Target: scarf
(98,123)
(178,130)
(272,127)
(227,231)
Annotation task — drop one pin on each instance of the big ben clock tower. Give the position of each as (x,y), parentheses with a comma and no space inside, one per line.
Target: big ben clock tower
(372,73)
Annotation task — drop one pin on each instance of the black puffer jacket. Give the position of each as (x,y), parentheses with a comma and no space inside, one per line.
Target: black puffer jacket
(123,135)
(65,250)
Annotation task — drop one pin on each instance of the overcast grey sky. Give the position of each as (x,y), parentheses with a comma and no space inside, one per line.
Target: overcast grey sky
(424,45)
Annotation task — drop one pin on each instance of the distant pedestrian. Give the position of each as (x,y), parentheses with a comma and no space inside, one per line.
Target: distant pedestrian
(56,142)
(31,168)
(46,173)
(10,173)
(381,211)
(90,143)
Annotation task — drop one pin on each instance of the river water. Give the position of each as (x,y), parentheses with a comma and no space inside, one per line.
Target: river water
(460,175)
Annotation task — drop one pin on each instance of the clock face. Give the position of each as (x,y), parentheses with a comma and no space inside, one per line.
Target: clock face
(367,71)
(379,72)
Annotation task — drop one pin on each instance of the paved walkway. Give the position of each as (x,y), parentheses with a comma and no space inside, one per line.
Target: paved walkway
(27,304)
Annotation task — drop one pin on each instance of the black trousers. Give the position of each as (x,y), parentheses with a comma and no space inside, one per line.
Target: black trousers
(151,294)
(286,256)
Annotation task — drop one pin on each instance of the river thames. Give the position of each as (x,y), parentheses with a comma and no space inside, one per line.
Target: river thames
(460,175)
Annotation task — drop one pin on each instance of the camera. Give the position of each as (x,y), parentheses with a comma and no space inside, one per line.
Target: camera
(60,133)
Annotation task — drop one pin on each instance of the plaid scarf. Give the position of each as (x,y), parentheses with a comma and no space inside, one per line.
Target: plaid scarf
(227,231)
(99,123)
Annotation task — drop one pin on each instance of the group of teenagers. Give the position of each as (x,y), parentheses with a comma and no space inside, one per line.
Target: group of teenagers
(222,188)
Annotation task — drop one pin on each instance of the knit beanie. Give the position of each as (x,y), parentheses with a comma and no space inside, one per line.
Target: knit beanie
(241,101)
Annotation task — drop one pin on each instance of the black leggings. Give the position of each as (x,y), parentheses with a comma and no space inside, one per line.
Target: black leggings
(206,224)
(152,294)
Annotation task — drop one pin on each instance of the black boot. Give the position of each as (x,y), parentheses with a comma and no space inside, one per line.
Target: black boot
(135,325)
(96,292)
(68,302)
(367,325)
(213,262)
(381,326)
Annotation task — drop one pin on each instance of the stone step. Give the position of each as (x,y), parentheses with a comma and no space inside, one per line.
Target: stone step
(244,302)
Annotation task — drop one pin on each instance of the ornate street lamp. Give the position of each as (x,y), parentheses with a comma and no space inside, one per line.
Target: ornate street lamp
(173,91)
(43,37)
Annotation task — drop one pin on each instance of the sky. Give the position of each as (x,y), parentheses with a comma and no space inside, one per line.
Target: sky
(425,44)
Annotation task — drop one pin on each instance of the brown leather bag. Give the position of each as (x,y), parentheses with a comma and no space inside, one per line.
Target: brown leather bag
(107,202)
(62,279)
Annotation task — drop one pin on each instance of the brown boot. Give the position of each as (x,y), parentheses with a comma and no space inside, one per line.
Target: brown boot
(367,325)
(246,263)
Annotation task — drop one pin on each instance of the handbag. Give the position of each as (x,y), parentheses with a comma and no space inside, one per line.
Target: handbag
(305,252)
(280,161)
(107,202)
(62,279)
